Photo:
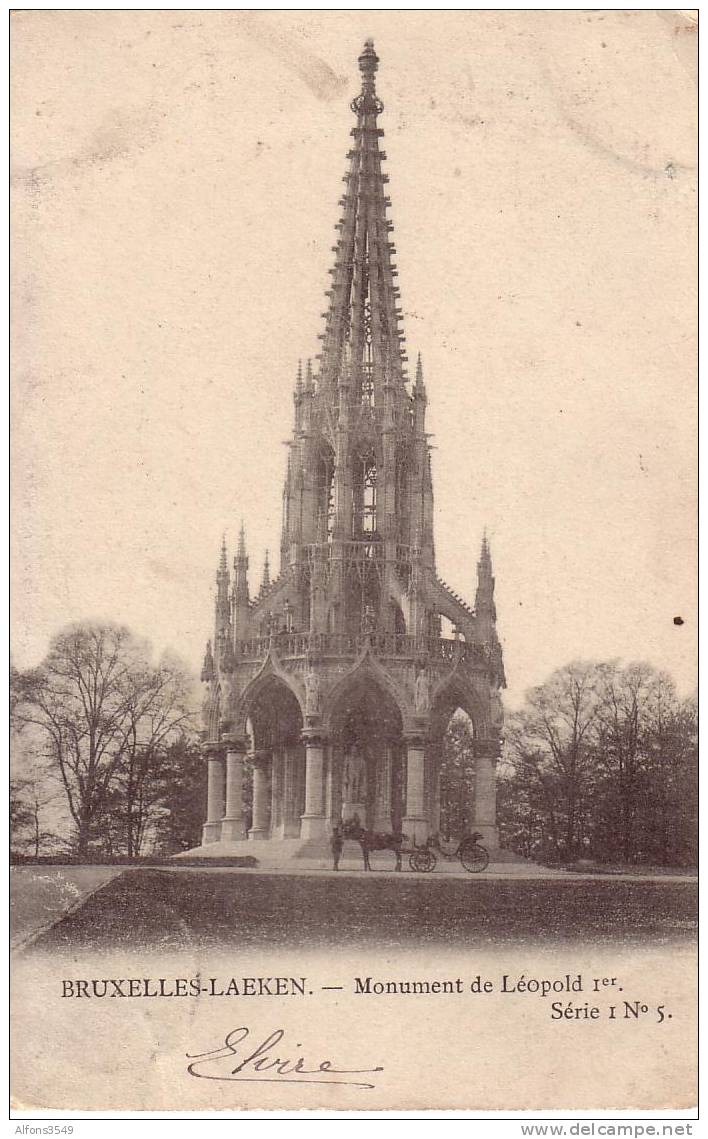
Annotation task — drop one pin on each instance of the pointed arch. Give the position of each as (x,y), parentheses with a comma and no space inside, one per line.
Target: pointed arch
(456,691)
(325,468)
(269,673)
(451,775)
(398,617)
(367,672)
(450,755)
(365,489)
(364,718)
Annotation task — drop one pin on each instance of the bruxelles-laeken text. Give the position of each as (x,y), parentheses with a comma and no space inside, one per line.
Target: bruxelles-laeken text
(198,986)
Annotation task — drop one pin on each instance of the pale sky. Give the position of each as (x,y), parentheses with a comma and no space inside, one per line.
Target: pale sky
(176,178)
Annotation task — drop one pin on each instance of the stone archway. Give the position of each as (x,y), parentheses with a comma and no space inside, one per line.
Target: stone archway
(366,754)
(461,760)
(277,759)
(453,770)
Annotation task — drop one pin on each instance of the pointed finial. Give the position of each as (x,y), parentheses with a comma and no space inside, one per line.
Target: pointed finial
(484,600)
(242,541)
(368,63)
(309,378)
(368,102)
(485,557)
(222,573)
(298,382)
(208,665)
(265,584)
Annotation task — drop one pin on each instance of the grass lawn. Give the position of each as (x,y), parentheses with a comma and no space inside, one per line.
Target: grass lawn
(170,909)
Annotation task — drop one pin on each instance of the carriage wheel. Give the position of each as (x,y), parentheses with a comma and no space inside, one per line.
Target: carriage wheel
(422,860)
(474,858)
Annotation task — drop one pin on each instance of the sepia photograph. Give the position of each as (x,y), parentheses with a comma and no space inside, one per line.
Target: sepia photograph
(353,709)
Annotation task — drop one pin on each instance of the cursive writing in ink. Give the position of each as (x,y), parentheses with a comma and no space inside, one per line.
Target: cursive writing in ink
(261,1063)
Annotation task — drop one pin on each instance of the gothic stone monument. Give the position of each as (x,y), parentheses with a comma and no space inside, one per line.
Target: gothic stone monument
(335,681)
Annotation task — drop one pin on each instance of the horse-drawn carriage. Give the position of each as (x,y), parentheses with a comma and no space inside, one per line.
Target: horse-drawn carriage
(423,859)
(472,855)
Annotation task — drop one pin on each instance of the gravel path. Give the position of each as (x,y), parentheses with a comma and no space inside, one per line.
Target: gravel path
(42,895)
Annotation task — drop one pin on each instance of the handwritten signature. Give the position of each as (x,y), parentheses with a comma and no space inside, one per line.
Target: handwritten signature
(261,1064)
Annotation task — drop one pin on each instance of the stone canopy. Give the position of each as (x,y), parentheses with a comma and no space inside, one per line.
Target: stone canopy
(336,682)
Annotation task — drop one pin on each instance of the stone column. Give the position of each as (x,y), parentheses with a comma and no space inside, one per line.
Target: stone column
(313,821)
(435,800)
(276,792)
(211,831)
(299,783)
(233,827)
(485,791)
(290,822)
(334,785)
(260,828)
(330,814)
(397,786)
(382,810)
(415,824)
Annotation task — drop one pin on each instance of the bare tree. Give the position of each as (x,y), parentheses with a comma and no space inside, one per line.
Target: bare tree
(602,757)
(627,695)
(101,708)
(669,803)
(33,790)
(161,706)
(550,746)
(30,833)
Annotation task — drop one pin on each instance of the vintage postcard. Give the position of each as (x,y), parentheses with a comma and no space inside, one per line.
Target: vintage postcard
(353,686)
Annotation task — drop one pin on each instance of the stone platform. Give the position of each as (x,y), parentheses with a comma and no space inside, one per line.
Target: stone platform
(316,854)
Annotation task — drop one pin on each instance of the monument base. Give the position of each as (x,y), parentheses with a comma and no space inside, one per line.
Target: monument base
(313,827)
(232,830)
(211,832)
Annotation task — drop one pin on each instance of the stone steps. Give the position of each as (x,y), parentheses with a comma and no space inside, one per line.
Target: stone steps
(314,853)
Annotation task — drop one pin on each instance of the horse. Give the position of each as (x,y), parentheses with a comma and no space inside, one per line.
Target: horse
(373,840)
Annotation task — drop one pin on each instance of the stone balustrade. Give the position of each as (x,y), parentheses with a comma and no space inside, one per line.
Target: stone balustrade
(290,646)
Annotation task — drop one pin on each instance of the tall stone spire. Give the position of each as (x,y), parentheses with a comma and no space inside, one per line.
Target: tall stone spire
(485,608)
(240,596)
(222,607)
(265,583)
(358,481)
(361,330)
(297,397)
(223,563)
(241,555)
